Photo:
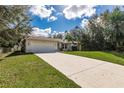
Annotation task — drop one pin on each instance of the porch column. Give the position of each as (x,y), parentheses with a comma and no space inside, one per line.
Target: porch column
(64,46)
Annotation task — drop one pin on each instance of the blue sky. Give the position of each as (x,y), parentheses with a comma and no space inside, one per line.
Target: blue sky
(58,18)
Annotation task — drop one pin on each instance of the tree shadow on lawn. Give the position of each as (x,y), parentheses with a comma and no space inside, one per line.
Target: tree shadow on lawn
(119,54)
(17,53)
(115,53)
(1,59)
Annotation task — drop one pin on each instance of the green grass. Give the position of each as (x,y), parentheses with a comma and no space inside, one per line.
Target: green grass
(113,57)
(29,71)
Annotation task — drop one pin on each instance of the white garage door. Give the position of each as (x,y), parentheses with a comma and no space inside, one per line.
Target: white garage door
(41,46)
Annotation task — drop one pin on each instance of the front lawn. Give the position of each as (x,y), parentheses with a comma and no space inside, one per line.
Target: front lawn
(113,57)
(29,71)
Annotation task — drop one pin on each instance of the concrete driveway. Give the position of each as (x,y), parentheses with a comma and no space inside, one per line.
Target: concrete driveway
(86,72)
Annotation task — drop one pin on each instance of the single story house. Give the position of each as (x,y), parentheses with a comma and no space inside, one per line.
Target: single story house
(41,44)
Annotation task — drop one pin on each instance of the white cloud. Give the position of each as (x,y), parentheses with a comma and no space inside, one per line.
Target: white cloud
(41,11)
(57,33)
(41,32)
(77,11)
(52,18)
(84,22)
(54,32)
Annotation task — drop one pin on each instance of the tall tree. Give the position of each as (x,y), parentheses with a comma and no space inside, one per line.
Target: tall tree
(105,31)
(14,24)
(117,21)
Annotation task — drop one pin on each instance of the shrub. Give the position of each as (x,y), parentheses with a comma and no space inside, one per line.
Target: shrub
(120,49)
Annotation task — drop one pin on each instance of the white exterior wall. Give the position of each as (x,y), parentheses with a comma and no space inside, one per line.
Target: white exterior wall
(41,46)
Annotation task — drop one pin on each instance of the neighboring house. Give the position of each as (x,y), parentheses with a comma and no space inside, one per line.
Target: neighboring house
(43,44)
